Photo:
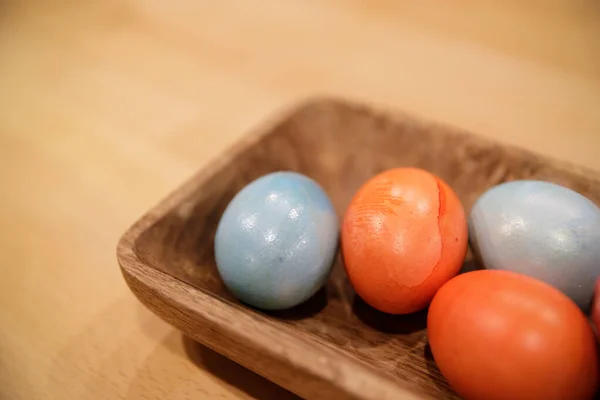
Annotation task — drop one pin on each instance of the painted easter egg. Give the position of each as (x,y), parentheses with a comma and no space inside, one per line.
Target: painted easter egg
(404,235)
(276,241)
(539,229)
(502,335)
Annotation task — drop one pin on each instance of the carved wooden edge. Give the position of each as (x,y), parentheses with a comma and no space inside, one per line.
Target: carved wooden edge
(590,175)
(310,369)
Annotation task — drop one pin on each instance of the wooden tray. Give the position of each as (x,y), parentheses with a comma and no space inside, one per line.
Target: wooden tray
(334,346)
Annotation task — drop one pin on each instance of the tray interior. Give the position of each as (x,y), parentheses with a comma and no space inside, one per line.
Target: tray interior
(341,145)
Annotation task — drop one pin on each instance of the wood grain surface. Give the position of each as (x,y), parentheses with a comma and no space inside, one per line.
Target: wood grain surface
(334,346)
(106,106)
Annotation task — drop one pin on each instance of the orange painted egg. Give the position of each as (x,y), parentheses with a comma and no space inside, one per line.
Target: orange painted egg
(497,335)
(403,236)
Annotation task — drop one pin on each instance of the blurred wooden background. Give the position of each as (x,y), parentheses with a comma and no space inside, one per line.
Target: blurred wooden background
(105,106)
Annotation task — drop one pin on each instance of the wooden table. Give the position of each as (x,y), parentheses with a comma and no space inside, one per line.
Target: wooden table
(107,106)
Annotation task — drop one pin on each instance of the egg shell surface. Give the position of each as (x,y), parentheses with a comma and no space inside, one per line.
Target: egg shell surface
(276,241)
(404,235)
(499,335)
(540,229)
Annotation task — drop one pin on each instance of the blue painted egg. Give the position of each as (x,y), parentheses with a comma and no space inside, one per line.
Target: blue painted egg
(276,241)
(539,229)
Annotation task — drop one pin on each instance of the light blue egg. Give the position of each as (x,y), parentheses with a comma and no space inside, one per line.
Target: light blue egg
(276,241)
(539,229)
